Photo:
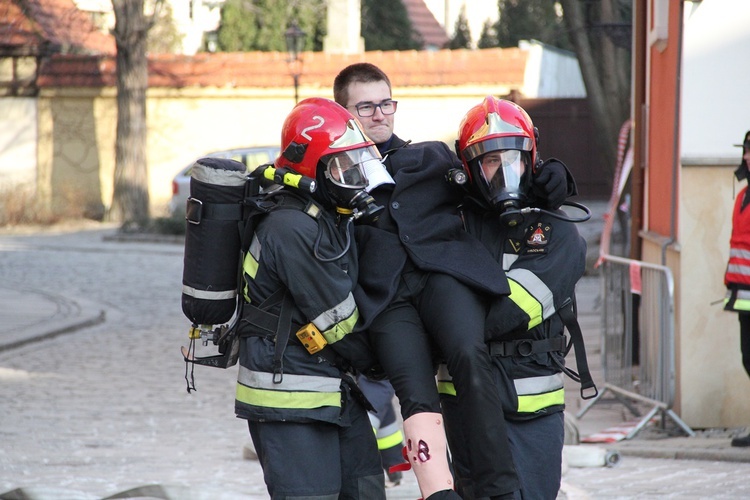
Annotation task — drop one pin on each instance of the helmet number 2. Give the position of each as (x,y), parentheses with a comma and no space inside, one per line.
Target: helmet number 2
(320,123)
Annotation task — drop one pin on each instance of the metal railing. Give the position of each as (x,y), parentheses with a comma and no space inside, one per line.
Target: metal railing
(638,338)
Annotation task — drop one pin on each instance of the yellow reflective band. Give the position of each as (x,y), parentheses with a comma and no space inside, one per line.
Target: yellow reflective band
(446,388)
(339,320)
(287,399)
(394,439)
(528,304)
(250,264)
(739,304)
(339,330)
(250,268)
(535,402)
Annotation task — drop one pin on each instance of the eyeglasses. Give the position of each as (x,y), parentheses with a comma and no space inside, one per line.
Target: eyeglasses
(367,109)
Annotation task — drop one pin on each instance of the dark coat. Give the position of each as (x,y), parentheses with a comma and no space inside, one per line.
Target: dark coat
(421,222)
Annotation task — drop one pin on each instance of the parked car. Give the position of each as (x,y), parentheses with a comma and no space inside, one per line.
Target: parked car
(252,157)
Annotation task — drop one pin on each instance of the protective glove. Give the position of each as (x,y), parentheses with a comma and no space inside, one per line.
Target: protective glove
(355,350)
(552,184)
(504,319)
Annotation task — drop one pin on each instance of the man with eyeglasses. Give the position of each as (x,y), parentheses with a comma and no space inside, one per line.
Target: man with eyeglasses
(422,279)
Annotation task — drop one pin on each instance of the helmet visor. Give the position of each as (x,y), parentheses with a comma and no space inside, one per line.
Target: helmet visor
(506,142)
(347,168)
(502,170)
(352,135)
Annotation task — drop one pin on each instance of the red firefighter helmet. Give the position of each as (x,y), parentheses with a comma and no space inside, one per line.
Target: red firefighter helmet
(495,124)
(319,129)
(497,147)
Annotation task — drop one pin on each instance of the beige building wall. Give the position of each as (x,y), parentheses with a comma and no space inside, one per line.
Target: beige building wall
(75,152)
(18,137)
(713,385)
(77,128)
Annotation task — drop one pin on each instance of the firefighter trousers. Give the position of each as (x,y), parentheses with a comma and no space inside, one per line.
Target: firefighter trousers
(745,340)
(319,460)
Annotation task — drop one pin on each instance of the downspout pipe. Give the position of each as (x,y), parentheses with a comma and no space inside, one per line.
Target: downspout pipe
(675,139)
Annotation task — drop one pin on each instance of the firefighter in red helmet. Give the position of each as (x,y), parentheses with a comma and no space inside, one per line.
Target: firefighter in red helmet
(307,419)
(543,257)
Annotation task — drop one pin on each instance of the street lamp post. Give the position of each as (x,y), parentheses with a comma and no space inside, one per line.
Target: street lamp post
(295,41)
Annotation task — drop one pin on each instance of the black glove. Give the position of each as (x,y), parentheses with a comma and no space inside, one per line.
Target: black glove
(504,319)
(355,350)
(550,184)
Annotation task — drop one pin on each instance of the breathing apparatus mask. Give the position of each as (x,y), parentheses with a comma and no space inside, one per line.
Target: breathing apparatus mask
(346,181)
(503,179)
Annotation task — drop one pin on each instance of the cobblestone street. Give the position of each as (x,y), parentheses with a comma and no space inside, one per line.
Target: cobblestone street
(104,409)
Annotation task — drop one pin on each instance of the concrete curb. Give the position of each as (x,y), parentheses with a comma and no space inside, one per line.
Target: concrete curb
(713,450)
(39,315)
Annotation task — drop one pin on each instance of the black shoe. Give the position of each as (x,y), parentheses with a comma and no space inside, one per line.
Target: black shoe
(741,442)
(394,478)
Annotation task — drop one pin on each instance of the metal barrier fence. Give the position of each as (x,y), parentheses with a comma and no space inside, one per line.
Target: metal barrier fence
(638,338)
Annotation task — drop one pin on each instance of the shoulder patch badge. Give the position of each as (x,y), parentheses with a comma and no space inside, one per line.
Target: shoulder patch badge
(537,237)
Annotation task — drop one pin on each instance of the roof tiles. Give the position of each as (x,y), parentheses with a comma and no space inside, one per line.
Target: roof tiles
(40,26)
(270,69)
(423,22)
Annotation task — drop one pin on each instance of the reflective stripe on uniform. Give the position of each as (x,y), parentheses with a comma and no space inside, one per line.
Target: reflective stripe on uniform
(445,387)
(742,301)
(445,381)
(538,385)
(526,302)
(389,436)
(537,393)
(536,402)
(294,392)
(208,295)
(508,260)
(217,177)
(534,393)
(738,269)
(339,320)
(532,295)
(739,253)
(250,264)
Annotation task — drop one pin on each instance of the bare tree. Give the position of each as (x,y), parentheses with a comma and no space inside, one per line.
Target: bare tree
(600,32)
(130,200)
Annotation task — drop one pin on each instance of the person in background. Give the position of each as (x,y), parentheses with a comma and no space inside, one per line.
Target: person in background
(544,256)
(737,277)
